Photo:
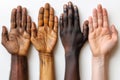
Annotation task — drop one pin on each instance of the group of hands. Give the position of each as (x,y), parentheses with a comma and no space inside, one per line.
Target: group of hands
(101,36)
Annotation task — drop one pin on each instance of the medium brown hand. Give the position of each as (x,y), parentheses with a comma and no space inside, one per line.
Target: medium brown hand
(45,37)
(17,41)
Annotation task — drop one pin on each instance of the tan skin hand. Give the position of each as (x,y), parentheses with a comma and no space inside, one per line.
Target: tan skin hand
(17,41)
(102,38)
(45,37)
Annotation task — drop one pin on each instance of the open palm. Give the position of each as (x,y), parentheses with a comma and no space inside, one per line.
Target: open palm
(101,38)
(18,39)
(45,37)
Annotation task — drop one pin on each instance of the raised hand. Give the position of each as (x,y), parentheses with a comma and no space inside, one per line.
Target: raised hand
(45,37)
(102,38)
(44,40)
(72,39)
(70,31)
(17,41)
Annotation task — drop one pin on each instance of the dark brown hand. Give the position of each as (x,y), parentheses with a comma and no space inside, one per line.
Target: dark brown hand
(72,39)
(17,42)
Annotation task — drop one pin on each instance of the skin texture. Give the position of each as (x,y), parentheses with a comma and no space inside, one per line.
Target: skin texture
(102,39)
(72,39)
(44,39)
(17,42)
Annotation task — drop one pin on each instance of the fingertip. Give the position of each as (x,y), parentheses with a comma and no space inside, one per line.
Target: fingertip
(75,7)
(4,29)
(99,6)
(28,18)
(47,5)
(19,8)
(33,25)
(86,22)
(24,9)
(56,19)
(85,26)
(64,6)
(94,10)
(51,11)
(104,12)
(69,3)
(41,10)
(14,10)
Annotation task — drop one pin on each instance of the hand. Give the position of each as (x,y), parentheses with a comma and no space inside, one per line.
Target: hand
(17,41)
(102,38)
(70,32)
(45,37)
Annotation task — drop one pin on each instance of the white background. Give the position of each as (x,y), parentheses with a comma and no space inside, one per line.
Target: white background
(85,10)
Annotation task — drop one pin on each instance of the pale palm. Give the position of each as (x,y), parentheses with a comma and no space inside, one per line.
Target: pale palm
(102,38)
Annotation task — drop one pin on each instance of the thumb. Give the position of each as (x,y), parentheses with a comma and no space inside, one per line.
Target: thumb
(85,30)
(4,35)
(114,33)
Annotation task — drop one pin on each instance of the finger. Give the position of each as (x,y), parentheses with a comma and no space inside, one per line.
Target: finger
(61,24)
(90,24)
(18,17)
(85,30)
(114,33)
(46,14)
(100,15)
(76,19)
(40,17)
(33,30)
(56,24)
(4,35)
(65,15)
(70,14)
(13,19)
(28,28)
(95,19)
(24,18)
(105,18)
(51,19)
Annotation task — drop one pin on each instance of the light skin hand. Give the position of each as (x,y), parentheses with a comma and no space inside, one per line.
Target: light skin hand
(17,41)
(45,37)
(102,37)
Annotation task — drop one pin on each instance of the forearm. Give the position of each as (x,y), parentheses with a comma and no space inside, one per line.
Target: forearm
(72,67)
(99,68)
(19,68)
(47,67)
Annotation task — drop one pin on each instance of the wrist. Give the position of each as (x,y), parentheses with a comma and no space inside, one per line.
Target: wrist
(72,52)
(72,66)
(99,67)
(19,68)
(46,66)
(46,57)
